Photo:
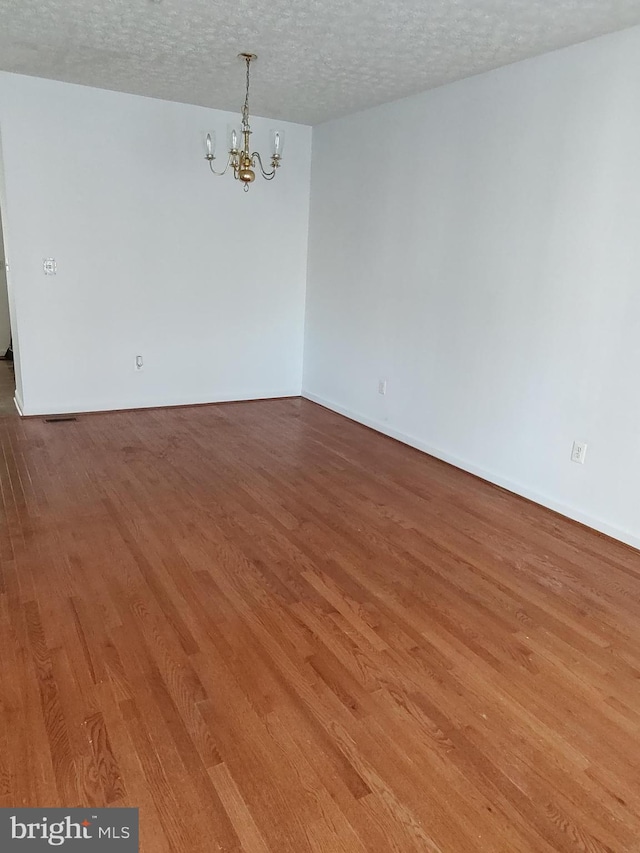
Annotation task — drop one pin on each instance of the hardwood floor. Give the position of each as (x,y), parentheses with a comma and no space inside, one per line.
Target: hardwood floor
(7,387)
(274,630)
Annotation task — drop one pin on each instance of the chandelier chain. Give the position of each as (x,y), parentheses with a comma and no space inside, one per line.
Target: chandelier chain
(245,108)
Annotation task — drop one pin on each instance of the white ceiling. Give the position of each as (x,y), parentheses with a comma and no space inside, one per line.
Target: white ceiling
(318,59)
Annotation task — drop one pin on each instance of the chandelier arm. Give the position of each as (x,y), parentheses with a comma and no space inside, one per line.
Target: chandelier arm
(269,176)
(219,174)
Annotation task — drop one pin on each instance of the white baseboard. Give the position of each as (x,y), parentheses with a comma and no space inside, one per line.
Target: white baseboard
(18,402)
(94,407)
(544,500)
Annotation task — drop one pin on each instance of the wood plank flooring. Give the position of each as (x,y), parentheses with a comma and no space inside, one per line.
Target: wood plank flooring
(7,387)
(273,630)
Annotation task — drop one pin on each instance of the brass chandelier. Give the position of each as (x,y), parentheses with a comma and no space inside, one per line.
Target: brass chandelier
(242,162)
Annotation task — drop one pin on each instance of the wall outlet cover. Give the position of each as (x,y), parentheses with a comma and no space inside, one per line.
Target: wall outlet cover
(578,452)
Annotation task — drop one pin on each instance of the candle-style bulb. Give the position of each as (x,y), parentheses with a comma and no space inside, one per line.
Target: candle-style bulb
(232,137)
(277,143)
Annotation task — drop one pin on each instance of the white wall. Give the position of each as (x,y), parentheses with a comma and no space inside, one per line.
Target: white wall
(5,325)
(155,256)
(7,283)
(478,246)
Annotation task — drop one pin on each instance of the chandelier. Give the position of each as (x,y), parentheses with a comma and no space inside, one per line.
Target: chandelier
(242,162)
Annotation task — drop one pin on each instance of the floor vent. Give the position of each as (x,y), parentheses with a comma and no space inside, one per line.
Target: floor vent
(59,420)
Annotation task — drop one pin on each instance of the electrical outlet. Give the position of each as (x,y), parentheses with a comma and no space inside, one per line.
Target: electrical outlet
(578,452)
(382,386)
(139,362)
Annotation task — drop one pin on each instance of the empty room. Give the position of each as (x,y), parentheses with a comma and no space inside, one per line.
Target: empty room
(319,426)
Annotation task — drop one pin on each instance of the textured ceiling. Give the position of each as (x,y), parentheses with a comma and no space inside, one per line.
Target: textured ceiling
(317,59)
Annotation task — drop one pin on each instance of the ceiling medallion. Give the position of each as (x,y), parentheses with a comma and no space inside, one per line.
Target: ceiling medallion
(241,161)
